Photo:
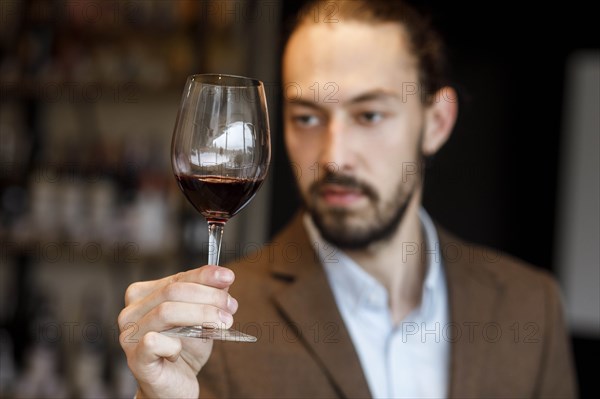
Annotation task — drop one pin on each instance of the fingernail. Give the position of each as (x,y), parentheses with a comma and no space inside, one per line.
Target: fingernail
(225,317)
(224,276)
(232,304)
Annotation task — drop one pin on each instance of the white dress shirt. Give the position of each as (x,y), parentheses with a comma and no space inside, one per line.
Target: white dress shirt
(411,359)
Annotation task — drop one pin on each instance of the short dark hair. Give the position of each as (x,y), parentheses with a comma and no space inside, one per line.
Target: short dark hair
(425,42)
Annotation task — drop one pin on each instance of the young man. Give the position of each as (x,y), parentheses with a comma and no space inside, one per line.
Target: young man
(361,295)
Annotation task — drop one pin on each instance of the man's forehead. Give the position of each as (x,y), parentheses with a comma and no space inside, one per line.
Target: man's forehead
(348,56)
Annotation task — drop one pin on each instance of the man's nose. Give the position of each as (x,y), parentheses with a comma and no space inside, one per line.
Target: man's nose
(334,154)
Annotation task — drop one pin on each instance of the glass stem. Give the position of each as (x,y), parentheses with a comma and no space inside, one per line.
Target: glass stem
(215,233)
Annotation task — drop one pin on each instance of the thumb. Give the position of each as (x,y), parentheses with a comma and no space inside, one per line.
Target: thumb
(155,346)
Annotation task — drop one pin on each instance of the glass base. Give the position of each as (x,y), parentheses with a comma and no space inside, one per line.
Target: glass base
(210,333)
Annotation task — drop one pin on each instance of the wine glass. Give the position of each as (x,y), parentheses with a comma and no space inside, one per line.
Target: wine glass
(220,154)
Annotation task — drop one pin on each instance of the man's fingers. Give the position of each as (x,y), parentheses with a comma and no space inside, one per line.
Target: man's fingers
(178,292)
(213,276)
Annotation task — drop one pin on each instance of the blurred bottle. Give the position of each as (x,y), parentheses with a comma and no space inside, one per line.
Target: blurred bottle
(90,359)
(42,376)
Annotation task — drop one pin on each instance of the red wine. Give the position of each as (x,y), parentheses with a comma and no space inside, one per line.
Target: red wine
(218,198)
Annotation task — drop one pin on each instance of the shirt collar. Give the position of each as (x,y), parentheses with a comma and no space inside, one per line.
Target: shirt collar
(354,287)
(350,282)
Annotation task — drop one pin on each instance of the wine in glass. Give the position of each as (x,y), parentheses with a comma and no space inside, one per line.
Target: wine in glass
(220,154)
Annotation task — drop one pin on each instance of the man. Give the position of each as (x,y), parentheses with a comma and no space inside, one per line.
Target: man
(361,295)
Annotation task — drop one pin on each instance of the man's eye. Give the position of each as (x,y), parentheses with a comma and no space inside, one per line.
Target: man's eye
(370,117)
(305,120)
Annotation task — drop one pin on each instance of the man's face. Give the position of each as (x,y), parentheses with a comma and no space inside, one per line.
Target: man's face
(353,127)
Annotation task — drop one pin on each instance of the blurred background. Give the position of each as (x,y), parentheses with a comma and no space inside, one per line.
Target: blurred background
(89,95)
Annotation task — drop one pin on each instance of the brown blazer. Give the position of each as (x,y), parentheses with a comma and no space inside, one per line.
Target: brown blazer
(508,338)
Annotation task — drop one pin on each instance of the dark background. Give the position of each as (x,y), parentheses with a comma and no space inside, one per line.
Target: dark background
(495,181)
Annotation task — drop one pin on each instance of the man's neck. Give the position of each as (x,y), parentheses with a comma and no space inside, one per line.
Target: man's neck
(397,263)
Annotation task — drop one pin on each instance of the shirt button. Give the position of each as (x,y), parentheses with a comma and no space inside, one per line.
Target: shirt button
(375,300)
(372,299)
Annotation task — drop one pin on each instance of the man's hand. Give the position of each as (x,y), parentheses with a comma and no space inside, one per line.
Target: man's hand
(166,366)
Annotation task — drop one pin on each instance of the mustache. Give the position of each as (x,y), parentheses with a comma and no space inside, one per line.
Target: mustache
(343,180)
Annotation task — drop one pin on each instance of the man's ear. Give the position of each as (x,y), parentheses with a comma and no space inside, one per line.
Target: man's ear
(440,117)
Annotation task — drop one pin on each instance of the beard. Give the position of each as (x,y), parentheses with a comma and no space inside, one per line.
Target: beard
(358,229)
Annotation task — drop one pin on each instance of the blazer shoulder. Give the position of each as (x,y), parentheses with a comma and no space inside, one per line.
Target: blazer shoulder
(485,262)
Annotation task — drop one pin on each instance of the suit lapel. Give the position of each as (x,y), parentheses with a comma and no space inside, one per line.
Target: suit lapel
(309,305)
(473,295)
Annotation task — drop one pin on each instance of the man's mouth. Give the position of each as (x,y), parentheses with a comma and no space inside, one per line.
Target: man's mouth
(338,195)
